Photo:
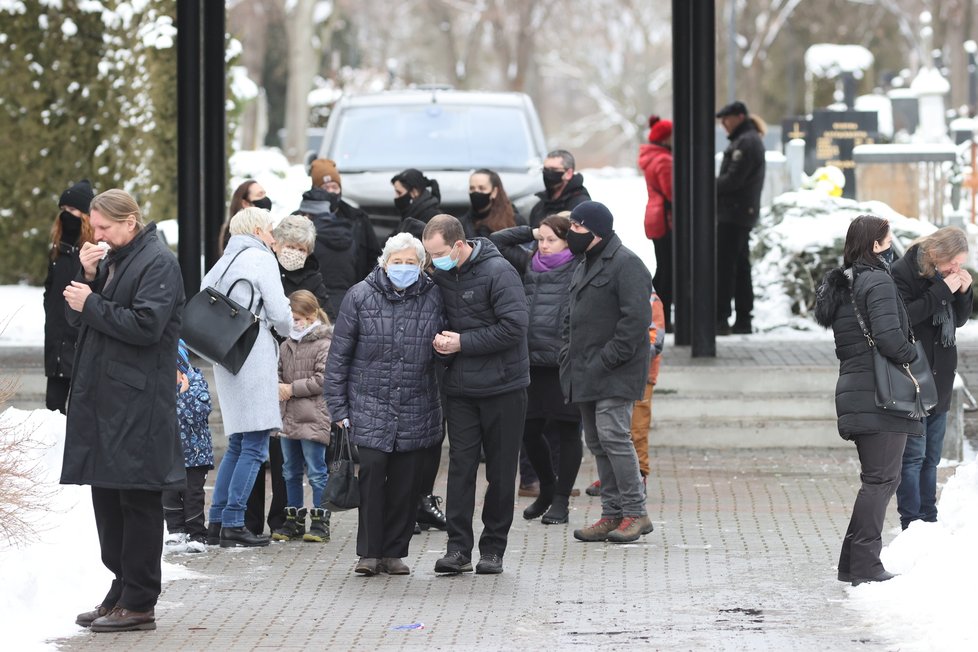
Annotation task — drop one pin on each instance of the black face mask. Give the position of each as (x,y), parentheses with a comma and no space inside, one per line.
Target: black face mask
(579,242)
(552,179)
(886,257)
(334,200)
(402,203)
(263,203)
(480,201)
(70,227)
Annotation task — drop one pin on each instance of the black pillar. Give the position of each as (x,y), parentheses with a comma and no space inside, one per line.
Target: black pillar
(215,130)
(682,146)
(189,142)
(703,184)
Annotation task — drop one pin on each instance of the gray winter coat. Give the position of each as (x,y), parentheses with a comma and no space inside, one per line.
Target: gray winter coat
(121,431)
(303,365)
(249,399)
(380,373)
(486,305)
(606,332)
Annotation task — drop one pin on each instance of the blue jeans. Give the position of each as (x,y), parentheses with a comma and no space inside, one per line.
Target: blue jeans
(294,453)
(236,476)
(917,493)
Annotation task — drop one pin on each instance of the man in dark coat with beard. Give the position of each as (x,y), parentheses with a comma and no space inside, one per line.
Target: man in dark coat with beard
(121,435)
(563,187)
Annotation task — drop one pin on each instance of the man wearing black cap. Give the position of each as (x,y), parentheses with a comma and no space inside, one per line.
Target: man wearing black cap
(738,206)
(604,363)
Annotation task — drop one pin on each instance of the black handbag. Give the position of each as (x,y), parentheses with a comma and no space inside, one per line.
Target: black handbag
(218,329)
(342,490)
(907,388)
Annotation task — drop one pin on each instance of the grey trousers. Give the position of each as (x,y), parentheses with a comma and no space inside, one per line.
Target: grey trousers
(608,434)
(881,460)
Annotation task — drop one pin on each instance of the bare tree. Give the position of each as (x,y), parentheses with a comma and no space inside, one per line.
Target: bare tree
(302,60)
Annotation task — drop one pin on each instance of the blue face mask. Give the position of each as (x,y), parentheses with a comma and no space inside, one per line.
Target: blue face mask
(403,276)
(444,263)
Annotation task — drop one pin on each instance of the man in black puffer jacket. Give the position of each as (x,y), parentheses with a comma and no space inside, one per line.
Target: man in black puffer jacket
(485,384)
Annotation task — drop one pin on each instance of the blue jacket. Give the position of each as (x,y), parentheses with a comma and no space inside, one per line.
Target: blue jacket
(380,372)
(193,409)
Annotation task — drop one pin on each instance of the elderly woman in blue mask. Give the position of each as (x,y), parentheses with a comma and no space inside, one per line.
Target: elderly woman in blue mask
(380,382)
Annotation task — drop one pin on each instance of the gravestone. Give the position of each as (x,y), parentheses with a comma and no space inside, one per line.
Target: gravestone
(832,137)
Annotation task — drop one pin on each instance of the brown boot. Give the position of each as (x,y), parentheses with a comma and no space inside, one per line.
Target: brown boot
(599,531)
(394,566)
(86,619)
(630,529)
(368,566)
(123,620)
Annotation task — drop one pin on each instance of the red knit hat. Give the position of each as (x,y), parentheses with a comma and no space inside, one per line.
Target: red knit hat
(659,129)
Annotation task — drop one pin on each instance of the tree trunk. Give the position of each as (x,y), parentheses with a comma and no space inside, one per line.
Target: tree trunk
(301,67)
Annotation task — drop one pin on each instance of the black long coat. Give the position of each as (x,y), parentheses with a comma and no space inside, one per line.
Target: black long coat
(741,177)
(605,352)
(924,297)
(122,418)
(886,318)
(59,335)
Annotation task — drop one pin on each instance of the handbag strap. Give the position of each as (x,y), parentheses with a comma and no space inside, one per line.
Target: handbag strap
(862,323)
(261,300)
(344,450)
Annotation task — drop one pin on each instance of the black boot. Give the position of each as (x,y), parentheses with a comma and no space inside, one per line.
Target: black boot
(430,514)
(540,505)
(241,537)
(558,512)
(213,534)
(294,526)
(318,526)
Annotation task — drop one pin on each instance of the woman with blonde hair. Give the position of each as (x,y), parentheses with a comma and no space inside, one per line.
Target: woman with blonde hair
(937,291)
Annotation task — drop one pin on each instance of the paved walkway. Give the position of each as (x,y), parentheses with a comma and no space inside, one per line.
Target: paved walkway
(742,558)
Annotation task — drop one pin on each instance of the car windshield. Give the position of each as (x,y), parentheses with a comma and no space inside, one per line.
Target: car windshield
(432,137)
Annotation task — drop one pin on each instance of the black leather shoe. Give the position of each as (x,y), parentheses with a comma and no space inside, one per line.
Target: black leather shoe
(882,577)
(430,514)
(123,620)
(86,619)
(454,562)
(241,537)
(741,328)
(213,534)
(491,564)
(723,328)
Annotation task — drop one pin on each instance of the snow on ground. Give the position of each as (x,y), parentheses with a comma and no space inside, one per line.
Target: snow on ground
(58,573)
(930,606)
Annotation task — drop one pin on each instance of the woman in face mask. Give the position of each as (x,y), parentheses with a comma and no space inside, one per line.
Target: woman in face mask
(70,230)
(295,238)
(415,203)
(380,381)
(489,207)
(248,193)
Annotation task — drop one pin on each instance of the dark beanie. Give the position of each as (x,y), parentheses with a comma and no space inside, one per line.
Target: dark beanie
(595,217)
(79,196)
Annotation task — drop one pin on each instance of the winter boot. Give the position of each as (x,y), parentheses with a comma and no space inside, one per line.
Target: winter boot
(541,504)
(430,514)
(213,534)
(294,526)
(558,512)
(318,526)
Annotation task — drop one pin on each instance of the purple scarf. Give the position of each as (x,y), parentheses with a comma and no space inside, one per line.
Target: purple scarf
(550,262)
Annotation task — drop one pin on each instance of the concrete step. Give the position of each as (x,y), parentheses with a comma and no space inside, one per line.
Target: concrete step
(746,433)
(685,407)
(708,380)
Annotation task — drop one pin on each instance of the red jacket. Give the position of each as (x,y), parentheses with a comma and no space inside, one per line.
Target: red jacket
(656,163)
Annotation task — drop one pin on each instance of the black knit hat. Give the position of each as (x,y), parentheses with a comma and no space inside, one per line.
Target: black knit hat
(79,196)
(595,217)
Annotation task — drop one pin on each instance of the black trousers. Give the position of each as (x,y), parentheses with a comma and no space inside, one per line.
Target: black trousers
(733,272)
(430,461)
(493,423)
(662,281)
(130,534)
(183,509)
(538,449)
(56,396)
(255,511)
(390,486)
(881,459)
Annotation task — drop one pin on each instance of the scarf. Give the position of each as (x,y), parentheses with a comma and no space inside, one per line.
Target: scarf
(297,335)
(943,319)
(549,262)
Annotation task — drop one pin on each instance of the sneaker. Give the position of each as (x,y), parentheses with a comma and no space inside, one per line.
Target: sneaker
(594,489)
(491,564)
(454,562)
(175,542)
(599,531)
(630,529)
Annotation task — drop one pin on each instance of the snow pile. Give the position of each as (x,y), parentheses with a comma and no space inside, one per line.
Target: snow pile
(58,574)
(828,60)
(21,315)
(798,239)
(930,606)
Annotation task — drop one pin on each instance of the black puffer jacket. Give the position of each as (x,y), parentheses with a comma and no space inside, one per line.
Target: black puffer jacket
(59,336)
(741,177)
(924,298)
(486,305)
(380,372)
(306,277)
(886,318)
(547,295)
(422,208)
(573,194)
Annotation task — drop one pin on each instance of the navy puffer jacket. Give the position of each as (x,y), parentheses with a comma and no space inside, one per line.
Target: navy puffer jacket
(886,318)
(380,370)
